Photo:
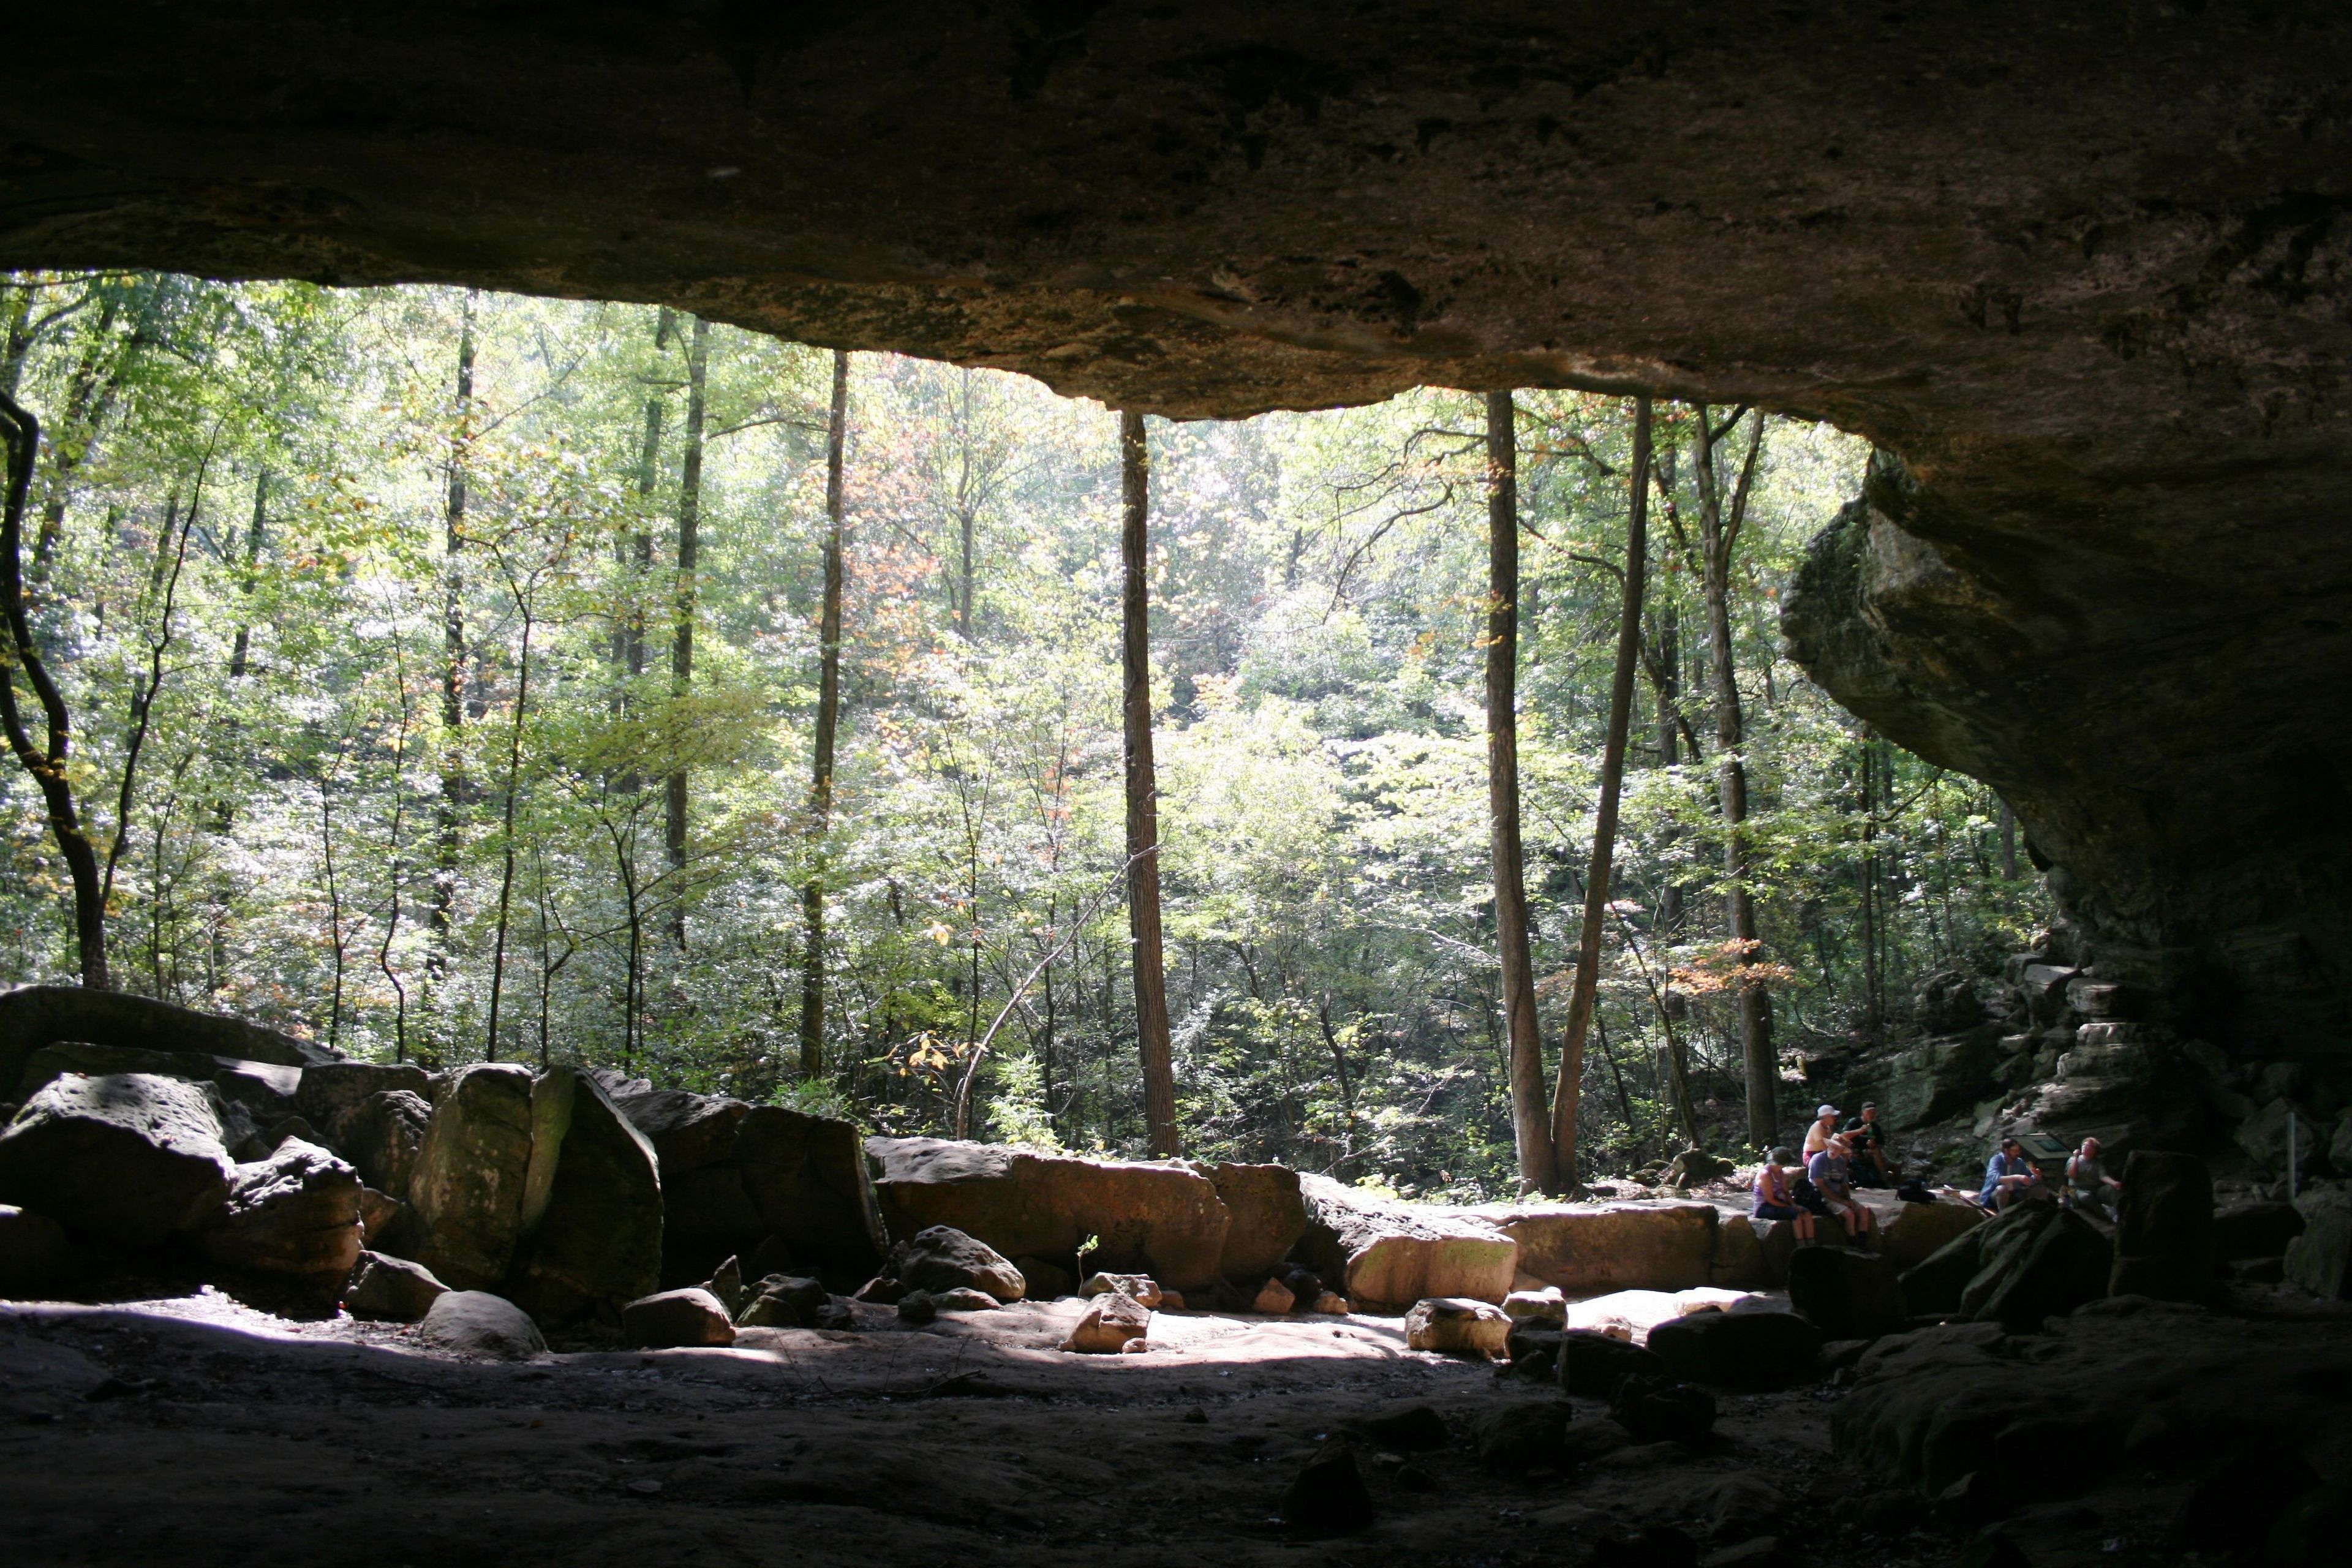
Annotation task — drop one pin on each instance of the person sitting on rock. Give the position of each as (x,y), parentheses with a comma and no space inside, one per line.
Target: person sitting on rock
(2088,1185)
(1832,1174)
(2009,1176)
(1867,1135)
(1775,1201)
(1824,1128)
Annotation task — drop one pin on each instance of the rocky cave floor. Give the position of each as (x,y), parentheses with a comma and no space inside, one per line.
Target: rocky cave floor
(195,1428)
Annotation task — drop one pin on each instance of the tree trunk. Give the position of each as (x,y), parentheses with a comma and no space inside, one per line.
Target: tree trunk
(1874,991)
(240,650)
(440,918)
(681,653)
(2007,843)
(1719,527)
(48,764)
(1585,993)
(967,507)
(828,720)
(1143,797)
(1531,1126)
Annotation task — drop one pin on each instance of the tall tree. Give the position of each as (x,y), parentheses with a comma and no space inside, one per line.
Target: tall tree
(1143,793)
(1720,521)
(1587,985)
(1531,1127)
(440,915)
(49,762)
(681,655)
(828,720)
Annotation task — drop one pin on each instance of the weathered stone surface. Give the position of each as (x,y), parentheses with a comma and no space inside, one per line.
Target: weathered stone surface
(2263,1137)
(331,1094)
(1937,1078)
(1142,1287)
(2320,1257)
(676,1318)
(2254,1230)
(2164,1231)
(1750,1254)
(32,1251)
(32,1017)
(942,1258)
(391,1289)
(1042,1281)
(784,1302)
(466,1193)
(1757,1351)
(1545,1305)
(1586,1249)
(1109,1322)
(265,1089)
(1457,1325)
(1848,1295)
(297,1211)
(591,1220)
(1273,1297)
(1912,1233)
(381,1135)
(806,1176)
(1267,1216)
(128,1158)
(686,1129)
(1656,1410)
(1164,1220)
(964,1299)
(1523,1436)
(2036,1261)
(1592,1363)
(479,1326)
(1385,1255)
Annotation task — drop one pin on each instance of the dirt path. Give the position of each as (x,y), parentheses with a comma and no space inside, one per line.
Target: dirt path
(195,1430)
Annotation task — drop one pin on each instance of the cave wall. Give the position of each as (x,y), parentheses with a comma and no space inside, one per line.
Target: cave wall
(2080,270)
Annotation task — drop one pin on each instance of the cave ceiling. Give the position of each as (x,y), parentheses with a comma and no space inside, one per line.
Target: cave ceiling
(2080,269)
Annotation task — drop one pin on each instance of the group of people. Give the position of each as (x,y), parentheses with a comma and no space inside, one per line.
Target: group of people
(1837,1160)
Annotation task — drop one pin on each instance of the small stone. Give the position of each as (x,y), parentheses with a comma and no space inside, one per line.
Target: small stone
(963,1298)
(1274,1298)
(1657,1411)
(1456,1325)
(1330,1303)
(1328,1497)
(676,1318)
(481,1326)
(1140,1285)
(944,1258)
(1751,1350)
(1415,1429)
(917,1307)
(1544,1306)
(1171,1301)
(782,1301)
(1521,1437)
(1112,1322)
(833,1315)
(390,1289)
(881,1288)
(296,1211)
(727,1284)
(1591,1364)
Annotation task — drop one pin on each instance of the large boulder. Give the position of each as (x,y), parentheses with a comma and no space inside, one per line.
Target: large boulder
(733,1176)
(391,1289)
(296,1212)
(1109,1324)
(1847,1295)
(2253,1230)
(1457,1325)
(2036,1261)
(130,1158)
(32,1017)
(1587,1250)
(942,1258)
(2319,1258)
(479,1326)
(1164,1220)
(330,1096)
(466,1193)
(265,1089)
(1267,1216)
(1592,1363)
(381,1136)
(34,1252)
(676,1318)
(2164,1232)
(1391,1255)
(1748,1350)
(1912,1233)
(591,1219)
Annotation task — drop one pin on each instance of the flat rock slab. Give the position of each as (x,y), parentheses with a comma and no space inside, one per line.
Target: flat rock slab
(130,1158)
(1589,1248)
(1391,1255)
(1164,1220)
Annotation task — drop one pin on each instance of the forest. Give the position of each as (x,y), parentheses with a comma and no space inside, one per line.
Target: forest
(454,676)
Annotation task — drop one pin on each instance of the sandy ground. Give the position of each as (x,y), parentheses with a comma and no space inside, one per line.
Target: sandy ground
(193,1429)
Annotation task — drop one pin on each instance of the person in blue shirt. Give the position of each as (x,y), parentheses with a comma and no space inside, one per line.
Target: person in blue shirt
(1832,1174)
(2009,1176)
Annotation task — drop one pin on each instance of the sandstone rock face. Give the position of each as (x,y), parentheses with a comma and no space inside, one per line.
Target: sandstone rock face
(783,1301)
(944,1258)
(2037,1261)
(1935,1079)
(733,1176)
(128,1158)
(479,1326)
(265,1089)
(1164,1220)
(1142,1287)
(32,1251)
(467,1190)
(381,1136)
(1911,1233)
(331,1094)
(1110,1323)
(591,1219)
(1457,1325)
(1385,1256)
(32,1017)
(676,1318)
(1847,1295)
(2164,1233)
(1267,1216)
(1588,1249)
(1274,1298)
(296,1213)
(392,1289)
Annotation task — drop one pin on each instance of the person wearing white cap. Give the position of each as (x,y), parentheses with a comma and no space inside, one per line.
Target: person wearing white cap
(1824,1128)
